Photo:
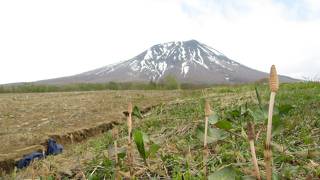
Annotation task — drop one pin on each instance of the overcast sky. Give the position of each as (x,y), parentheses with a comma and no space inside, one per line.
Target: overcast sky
(46,39)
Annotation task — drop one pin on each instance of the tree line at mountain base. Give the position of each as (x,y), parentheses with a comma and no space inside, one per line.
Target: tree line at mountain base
(168,83)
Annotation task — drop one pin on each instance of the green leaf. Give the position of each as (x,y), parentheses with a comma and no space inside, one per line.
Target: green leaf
(50,178)
(138,139)
(122,155)
(213,118)
(247,178)
(275,176)
(259,116)
(223,124)
(214,134)
(153,150)
(91,177)
(136,112)
(146,138)
(226,173)
(235,113)
(258,97)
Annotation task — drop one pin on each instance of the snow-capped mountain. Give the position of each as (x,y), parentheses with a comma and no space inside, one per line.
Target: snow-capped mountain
(189,61)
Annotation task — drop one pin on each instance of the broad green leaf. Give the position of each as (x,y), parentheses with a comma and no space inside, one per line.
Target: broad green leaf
(247,178)
(213,118)
(136,112)
(153,150)
(226,173)
(50,178)
(138,139)
(146,138)
(275,176)
(234,113)
(214,134)
(259,116)
(223,124)
(91,177)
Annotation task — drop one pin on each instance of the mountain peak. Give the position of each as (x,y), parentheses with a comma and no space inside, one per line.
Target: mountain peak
(189,61)
(179,51)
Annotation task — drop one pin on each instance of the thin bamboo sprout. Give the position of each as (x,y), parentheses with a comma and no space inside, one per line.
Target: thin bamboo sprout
(205,146)
(269,126)
(254,159)
(274,87)
(118,176)
(32,172)
(130,154)
(205,132)
(251,137)
(207,114)
(129,118)
(116,151)
(205,149)
(268,152)
(115,136)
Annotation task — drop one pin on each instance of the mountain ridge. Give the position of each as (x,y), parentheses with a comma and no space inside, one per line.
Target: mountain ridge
(188,61)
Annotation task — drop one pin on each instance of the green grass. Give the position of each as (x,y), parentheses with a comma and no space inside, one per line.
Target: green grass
(178,127)
(175,128)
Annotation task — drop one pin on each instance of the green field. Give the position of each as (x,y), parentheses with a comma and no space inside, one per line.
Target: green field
(173,137)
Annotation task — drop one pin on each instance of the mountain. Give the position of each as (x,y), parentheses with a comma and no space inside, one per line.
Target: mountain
(188,61)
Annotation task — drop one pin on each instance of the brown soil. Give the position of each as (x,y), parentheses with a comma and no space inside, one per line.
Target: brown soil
(7,165)
(28,120)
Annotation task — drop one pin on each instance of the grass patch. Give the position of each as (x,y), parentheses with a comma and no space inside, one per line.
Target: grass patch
(175,129)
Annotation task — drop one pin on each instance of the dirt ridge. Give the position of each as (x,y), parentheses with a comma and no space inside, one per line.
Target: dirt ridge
(8,164)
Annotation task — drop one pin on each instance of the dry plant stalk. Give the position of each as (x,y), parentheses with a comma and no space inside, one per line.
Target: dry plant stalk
(274,86)
(115,137)
(207,113)
(32,172)
(129,151)
(251,137)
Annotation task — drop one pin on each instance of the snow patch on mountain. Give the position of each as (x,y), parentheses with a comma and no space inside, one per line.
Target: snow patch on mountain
(156,60)
(183,56)
(184,68)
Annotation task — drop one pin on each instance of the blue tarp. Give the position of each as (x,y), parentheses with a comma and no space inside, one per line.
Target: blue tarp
(53,149)
(25,161)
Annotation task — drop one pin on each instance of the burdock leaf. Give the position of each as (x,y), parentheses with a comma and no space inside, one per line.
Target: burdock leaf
(213,118)
(234,114)
(214,134)
(138,139)
(223,124)
(275,176)
(260,115)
